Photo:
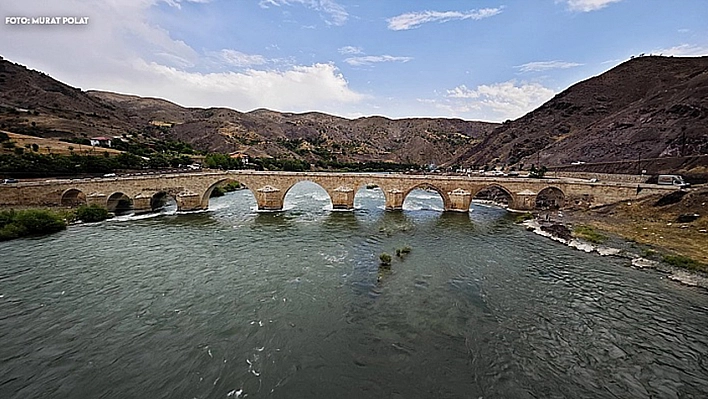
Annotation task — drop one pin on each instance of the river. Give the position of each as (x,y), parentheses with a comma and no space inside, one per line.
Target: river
(234,303)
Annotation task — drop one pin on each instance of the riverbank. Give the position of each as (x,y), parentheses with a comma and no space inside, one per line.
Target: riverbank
(668,233)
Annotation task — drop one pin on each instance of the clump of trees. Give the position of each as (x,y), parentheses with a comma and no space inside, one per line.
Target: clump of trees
(91,213)
(537,173)
(30,222)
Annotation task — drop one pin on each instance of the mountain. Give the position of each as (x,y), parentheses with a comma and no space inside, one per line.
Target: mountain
(33,103)
(647,107)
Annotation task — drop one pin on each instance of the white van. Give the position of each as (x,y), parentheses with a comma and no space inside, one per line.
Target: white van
(672,180)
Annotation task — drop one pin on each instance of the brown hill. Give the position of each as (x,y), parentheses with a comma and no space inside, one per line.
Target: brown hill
(35,104)
(647,107)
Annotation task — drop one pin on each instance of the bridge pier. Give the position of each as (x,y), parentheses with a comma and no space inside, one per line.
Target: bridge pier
(141,203)
(342,198)
(394,199)
(187,201)
(524,201)
(97,199)
(459,200)
(269,198)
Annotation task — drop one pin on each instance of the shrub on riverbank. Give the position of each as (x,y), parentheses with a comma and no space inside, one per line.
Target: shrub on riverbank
(217,192)
(682,261)
(232,186)
(523,217)
(587,233)
(91,213)
(30,222)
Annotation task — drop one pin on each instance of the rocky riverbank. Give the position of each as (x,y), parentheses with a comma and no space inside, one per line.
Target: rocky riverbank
(669,234)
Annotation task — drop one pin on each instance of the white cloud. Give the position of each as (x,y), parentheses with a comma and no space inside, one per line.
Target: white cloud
(683,50)
(540,66)
(336,13)
(350,50)
(415,19)
(239,59)
(587,5)
(177,3)
(374,59)
(129,54)
(300,88)
(498,101)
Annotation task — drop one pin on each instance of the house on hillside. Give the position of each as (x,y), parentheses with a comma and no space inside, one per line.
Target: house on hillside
(101,141)
(240,156)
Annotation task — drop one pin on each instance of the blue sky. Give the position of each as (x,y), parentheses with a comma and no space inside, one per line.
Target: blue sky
(476,60)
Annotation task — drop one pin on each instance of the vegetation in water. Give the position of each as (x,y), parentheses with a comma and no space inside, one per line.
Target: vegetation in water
(401,252)
(587,233)
(91,213)
(385,260)
(30,222)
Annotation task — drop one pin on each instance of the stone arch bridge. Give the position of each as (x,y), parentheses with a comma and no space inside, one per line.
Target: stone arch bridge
(191,191)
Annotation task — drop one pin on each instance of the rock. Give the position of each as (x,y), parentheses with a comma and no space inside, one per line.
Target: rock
(558,230)
(687,217)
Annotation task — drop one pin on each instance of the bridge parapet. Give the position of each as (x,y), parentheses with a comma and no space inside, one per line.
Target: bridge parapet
(191,191)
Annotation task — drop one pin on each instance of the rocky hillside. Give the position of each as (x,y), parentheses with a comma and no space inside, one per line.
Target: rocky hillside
(35,104)
(647,107)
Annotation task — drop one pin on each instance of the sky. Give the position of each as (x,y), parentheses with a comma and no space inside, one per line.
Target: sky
(475,59)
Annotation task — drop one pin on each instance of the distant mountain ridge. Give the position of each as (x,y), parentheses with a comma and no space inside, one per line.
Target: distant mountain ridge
(647,107)
(65,111)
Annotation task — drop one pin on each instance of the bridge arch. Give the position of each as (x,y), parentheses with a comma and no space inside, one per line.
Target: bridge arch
(497,194)
(207,194)
(287,190)
(73,197)
(550,198)
(119,202)
(160,199)
(369,192)
(428,186)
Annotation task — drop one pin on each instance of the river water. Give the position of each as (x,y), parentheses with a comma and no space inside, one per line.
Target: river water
(234,303)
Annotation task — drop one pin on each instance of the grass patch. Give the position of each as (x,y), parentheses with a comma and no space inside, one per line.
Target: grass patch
(587,233)
(683,262)
(523,217)
(30,222)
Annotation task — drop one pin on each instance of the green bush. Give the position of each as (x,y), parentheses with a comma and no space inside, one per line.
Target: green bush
(217,192)
(682,261)
(15,224)
(91,213)
(232,186)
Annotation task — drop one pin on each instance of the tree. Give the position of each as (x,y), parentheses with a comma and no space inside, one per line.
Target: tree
(537,173)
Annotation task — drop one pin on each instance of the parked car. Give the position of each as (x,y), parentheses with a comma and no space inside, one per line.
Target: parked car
(8,181)
(672,180)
